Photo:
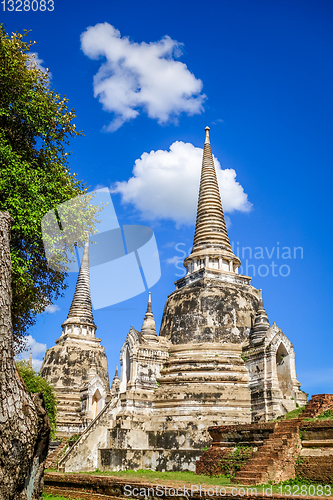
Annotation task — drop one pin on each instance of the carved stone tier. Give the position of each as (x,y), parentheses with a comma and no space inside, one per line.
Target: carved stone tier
(203,383)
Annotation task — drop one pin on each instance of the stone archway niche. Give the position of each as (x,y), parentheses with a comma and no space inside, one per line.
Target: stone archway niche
(283,371)
(95,404)
(128,366)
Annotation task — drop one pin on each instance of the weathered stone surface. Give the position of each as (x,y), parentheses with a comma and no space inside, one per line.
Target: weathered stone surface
(156,459)
(67,366)
(270,359)
(209,310)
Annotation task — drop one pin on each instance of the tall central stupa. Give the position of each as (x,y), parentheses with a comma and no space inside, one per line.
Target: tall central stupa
(207,319)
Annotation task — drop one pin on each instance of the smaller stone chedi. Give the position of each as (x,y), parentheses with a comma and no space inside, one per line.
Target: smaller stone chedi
(76,366)
(217,360)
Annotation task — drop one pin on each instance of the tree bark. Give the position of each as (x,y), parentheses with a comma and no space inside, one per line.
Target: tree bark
(24,424)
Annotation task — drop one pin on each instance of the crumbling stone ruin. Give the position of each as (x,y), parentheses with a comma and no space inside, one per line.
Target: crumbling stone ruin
(275,451)
(216,361)
(77,366)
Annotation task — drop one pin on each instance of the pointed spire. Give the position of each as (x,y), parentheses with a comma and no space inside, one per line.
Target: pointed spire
(261,322)
(207,141)
(211,237)
(30,359)
(115,383)
(210,229)
(93,368)
(80,311)
(148,327)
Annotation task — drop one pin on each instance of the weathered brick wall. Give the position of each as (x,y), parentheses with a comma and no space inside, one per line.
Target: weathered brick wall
(217,461)
(320,429)
(317,405)
(243,434)
(232,447)
(316,469)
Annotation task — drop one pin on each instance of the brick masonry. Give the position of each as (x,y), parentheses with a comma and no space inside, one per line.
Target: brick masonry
(315,469)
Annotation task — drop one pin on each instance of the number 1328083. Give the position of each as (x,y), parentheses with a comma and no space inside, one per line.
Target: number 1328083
(27,5)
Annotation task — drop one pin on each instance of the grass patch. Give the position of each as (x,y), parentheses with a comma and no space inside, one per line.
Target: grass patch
(291,414)
(294,413)
(153,476)
(326,415)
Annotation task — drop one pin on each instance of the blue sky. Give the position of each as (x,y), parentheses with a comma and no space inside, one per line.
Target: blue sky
(260,75)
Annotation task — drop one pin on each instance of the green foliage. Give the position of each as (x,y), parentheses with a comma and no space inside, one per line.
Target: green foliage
(35,383)
(73,439)
(326,415)
(234,461)
(35,128)
(294,413)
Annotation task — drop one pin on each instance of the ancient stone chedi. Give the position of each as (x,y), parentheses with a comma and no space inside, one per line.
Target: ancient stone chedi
(76,366)
(216,361)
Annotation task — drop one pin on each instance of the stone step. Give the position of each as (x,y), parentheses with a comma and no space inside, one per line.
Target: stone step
(268,456)
(248,480)
(275,443)
(280,435)
(261,461)
(254,468)
(268,449)
(245,473)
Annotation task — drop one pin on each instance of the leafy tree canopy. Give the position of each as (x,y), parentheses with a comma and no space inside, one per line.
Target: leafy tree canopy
(35,128)
(35,383)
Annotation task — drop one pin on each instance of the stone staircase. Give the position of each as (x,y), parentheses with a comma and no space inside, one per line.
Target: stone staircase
(55,450)
(275,458)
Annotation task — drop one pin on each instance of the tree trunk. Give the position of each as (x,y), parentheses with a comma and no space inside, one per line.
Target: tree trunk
(24,424)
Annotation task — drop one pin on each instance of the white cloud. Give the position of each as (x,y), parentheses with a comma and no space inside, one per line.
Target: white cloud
(165,185)
(173,260)
(33,59)
(51,309)
(36,364)
(33,346)
(36,349)
(140,76)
